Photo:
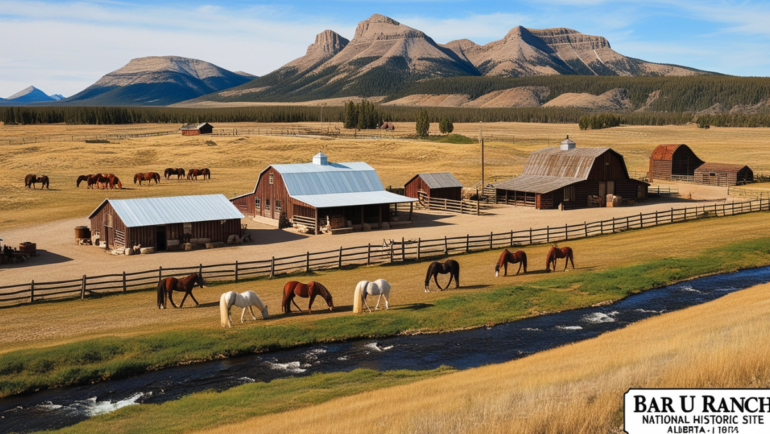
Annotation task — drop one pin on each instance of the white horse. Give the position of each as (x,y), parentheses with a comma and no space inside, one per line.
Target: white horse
(244,300)
(378,287)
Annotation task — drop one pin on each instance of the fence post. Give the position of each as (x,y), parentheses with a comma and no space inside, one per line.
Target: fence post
(641,220)
(477,205)
(467,243)
(236,271)
(672,214)
(391,253)
(339,262)
(369,254)
(200,270)
(83,288)
(32,292)
(403,250)
(613,225)
(566,232)
(547,234)
(124,282)
(419,242)
(491,234)
(446,247)
(530,235)
(511,238)
(628,222)
(307,262)
(601,227)
(160,273)
(585,225)
(656,217)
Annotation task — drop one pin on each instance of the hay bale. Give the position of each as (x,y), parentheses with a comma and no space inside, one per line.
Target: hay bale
(215,245)
(128,251)
(147,250)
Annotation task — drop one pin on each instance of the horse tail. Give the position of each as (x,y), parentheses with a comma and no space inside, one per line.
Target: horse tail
(457,275)
(162,294)
(358,297)
(224,309)
(524,260)
(571,258)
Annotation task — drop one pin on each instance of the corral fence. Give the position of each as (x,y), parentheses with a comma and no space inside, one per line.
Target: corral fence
(330,131)
(80,137)
(660,191)
(748,192)
(473,207)
(394,252)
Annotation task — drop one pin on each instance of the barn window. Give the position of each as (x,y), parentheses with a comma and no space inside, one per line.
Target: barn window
(271,179)
(267,204)
(187,228)
(278,206)
(109,221)
(569,194)
(256,202)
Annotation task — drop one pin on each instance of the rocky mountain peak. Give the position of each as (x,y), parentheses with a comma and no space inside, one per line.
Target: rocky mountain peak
(380,27)
(328,43)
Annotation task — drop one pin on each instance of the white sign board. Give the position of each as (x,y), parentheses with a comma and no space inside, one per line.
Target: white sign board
(712,411)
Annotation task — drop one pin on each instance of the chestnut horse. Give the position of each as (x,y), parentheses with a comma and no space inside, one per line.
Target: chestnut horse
(167,286)
(30,180)
(556,253)
(193,174)
(206,173)
(114,181)
(311,290)
(149,176)
(43,180)
(435,268)
(507,257)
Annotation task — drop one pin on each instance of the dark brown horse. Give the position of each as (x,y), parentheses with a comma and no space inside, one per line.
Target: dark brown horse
(179,173)
(557,253)
(206,173)
(167,286)
(193,174)
(311,290)
(30,180)
(450,267)
(168,172)
(82,178)
(43,180)
(149,176)
(511,258)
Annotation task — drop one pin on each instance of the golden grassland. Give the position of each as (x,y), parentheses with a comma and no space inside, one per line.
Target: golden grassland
(236,161)
(53,323)
(577,388)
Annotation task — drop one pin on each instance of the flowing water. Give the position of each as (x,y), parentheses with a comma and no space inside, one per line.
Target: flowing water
(463,349)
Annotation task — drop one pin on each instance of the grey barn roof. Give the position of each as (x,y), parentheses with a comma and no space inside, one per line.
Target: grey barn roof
(156,211)
(187,127)
(439,180)
(536,183)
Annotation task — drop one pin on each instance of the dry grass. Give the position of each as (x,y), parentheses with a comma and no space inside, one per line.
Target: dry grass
(235,161)
(576,388)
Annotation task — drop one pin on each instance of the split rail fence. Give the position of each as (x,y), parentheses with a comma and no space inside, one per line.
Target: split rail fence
(473,207)
(403,251)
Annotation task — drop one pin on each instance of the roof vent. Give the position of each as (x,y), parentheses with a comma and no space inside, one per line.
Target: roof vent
(321,159)
(567,144)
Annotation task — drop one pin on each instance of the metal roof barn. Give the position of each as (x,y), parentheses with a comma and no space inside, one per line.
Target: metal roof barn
(154,211)
(441,185)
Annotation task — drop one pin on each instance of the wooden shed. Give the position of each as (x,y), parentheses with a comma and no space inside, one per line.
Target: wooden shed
(571,177)
(196,129)
(442,185)
(723,175)
(323,194)
(668,162)
(153,222)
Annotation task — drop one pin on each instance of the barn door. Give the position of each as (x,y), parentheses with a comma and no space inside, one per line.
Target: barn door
(610,187)
(603,190)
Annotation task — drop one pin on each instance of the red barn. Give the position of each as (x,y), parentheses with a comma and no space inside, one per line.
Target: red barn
(442,185)
(196,129)
(668,162)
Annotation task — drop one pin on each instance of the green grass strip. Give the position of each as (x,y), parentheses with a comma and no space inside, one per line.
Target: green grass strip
(208,409)
(112,357)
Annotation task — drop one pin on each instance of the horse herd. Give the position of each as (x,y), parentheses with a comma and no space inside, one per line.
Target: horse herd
(109,180)
(364,288)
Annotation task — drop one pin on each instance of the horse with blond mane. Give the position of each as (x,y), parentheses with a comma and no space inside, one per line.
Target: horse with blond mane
(378,287)
(557,253)
(309,290)
(244,300)
(511,258)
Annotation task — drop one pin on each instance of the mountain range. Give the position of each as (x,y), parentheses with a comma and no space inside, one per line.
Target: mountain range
(30,95)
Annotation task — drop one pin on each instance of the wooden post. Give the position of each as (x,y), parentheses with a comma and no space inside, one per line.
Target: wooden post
(369,254)
(160,274)
(566,232)
(585,225)
(272,267)
(628,222)
(200,270)
(124,282)
(530,236)
(83,288)
(641,220)
(403,250)
(467,243)
(307,262)
(672,214)
(656,217)
(391,253)
(491,234)
(419,242)
(32,292)
(511,238)
(339,262)
(236,271)
(613,225)
(446,247)
(477,206)
(547,234)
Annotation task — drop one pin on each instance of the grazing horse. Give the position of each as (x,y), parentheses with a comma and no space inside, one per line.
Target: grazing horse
(115,181)
(30,180)
(310,290)
(168,172)
(167,286)
(179,173)
(206,173)
(43,180)
(82,178)
(556,253)
(243,300)
(149,176)
(378,287)
(193,174)
(435,268)
(507,257)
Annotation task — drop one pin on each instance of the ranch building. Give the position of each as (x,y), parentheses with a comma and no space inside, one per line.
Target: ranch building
(570,177)
(672,162)
(161,221)
(196,129)
(723,175)
(324,197)
(442,185)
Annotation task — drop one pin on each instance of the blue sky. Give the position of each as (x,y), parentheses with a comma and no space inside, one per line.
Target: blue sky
(63,46)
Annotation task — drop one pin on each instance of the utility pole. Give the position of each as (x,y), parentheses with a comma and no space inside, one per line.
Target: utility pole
(483,184)
(480,136)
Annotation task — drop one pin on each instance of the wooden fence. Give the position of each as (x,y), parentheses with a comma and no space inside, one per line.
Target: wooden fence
(748,192)
(473,207)
(80,137)
(659,190)
(406,250)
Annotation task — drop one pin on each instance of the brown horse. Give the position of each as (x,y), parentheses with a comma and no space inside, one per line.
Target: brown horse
(311,290)
(193,174)
(149,176)
(43,180)
(167,286)
(30,180)
(114,181)
(82,178)
(511,258)
(450,267)
(179,173)
(168,172)
(206,173)
(557,253)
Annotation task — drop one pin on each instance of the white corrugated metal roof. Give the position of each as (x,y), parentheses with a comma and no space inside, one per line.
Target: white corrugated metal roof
(351,199)
(155,211)
(440,180)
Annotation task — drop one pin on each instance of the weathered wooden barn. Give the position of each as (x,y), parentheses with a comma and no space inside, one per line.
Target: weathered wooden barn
(196,129)
(442,185)
(571,177)
(152,222)
(668,162)
(324,195)
(723,175)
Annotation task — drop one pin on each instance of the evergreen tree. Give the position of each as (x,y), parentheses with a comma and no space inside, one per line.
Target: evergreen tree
(351,115)
(423,123)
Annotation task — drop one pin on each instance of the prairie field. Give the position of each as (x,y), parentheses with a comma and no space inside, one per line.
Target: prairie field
(577,388)
(235,161)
